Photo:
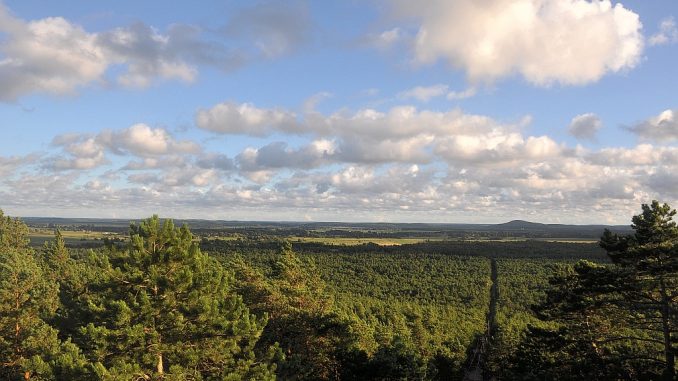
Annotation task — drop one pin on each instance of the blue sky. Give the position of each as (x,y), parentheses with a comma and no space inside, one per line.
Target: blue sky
(453,111)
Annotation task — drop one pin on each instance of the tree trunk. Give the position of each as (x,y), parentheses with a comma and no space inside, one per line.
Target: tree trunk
(669,371)
(160,367)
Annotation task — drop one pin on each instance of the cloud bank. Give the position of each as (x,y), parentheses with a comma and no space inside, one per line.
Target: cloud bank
(426,165)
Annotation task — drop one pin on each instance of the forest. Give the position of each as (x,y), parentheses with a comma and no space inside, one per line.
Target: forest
(161,302)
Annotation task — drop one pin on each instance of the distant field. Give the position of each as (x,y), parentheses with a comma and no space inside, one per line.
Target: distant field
(38,237)
(412,240)
(360,241)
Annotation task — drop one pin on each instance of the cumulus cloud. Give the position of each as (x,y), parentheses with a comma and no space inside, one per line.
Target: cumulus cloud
(667,34)
(569,42)
(279,155)
(548,184)
(497,148)
(56,56)
(84,151)
(401,134)
(162,162)
(143,140)
(369,124)
(640,155)
(149,54)
(399,163)
(399,150)
(49,55)
(245,118)
(661,128)
(585,126)
(216,161)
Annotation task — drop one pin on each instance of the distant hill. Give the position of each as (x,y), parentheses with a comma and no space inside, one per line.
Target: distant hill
(559,230)
(520,225)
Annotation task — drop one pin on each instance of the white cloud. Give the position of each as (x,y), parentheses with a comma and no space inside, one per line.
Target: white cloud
(498,148)
(148,55)
(279,155)
(175,160)
(401,163)
(570,42)
(667,34)
(49,55)
(82,163)
(661,128)
(9,165)
(367,124)
(56,56)
(424,93)
(585,126)
(640,155)
(83,151)
(456,95)
(398,150)
(216,161)
(245,118)
(143,140)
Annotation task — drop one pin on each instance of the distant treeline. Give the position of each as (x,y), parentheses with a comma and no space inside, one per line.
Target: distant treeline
(514,229)
(497,249)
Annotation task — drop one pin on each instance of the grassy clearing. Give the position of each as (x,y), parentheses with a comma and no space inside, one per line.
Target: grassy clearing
(360,241)
(38,237)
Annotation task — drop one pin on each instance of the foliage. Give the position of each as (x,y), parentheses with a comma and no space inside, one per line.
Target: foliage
(301,320)
(166,310)
(29,346)
(611,321)
(156,306)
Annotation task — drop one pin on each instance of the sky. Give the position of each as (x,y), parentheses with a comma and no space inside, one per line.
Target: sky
(454,111)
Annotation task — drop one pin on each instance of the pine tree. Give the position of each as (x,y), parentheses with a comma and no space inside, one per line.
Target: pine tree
(648,260)
(29,347)
(614,321)
(168,311)
(301,319)
(56,256)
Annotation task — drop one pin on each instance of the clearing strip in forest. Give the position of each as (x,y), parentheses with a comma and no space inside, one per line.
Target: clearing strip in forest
(475,363)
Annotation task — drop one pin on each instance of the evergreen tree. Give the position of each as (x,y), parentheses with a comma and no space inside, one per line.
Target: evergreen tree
(613,321)
(29,347)
(648,261)
(13,234)
(168,311)
(301,318)
(56,257)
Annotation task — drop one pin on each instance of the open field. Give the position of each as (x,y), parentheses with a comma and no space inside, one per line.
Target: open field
(361,241)
(39,236)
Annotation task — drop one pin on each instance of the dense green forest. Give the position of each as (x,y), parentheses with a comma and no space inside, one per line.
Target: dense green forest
(164,303)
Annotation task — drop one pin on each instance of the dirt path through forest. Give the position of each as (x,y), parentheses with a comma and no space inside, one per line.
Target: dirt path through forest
(477,356)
